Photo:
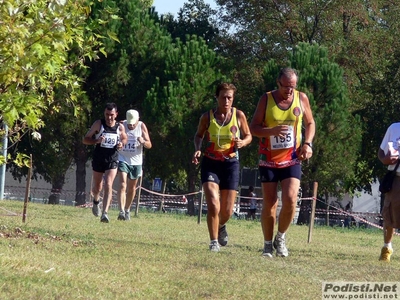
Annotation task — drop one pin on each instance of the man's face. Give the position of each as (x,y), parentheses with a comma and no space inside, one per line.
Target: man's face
(287,85)
(110,116)
(133,126)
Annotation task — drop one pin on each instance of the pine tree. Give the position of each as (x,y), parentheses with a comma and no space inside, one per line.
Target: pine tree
(174,104)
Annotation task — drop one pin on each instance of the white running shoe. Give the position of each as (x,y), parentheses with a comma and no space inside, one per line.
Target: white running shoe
(214,247)
(280,246)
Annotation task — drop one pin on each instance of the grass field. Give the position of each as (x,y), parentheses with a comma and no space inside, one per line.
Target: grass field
(64,252)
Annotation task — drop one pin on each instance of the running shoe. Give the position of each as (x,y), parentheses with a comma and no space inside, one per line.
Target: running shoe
(104,218)
(386,253)
(280,246)
(222,236)
(268,250)
(96,210)
(214,247)
(121,216)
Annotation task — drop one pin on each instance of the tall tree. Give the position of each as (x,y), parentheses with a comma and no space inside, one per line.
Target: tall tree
(352,31)
(380,93)
(35,38)
(381,111)
(54,39)
(174,104)
(53,154)
(195,18)
(135,55)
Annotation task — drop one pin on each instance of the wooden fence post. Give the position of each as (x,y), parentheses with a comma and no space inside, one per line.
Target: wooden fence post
(138,195)
(200,207)
(27,190)
(312,215)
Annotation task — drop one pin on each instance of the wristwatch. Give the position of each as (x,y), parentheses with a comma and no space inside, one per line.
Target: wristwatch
(309,144)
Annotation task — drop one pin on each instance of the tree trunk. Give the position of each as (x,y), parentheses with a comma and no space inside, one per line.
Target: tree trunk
(327,208)
(80,157)
(305,206)
(56,188)
(192,178)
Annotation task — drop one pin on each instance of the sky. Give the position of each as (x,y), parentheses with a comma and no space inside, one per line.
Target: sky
(173,6)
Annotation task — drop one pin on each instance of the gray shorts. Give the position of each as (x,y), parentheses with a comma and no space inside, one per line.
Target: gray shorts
(134,172)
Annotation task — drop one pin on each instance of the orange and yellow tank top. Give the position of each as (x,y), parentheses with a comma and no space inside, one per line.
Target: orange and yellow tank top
(220,138)
(281,152)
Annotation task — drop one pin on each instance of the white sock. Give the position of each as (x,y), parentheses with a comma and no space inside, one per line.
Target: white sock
(388,245)
(281,235)
(267,242)
(216,241)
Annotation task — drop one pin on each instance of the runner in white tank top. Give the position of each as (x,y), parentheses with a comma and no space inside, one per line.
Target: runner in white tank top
(130,161)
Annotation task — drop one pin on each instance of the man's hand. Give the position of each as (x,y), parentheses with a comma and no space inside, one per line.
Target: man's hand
(305,152)
(196,156)
(120,146)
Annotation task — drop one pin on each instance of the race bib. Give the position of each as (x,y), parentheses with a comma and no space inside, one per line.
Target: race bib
(285,142)
(110,140)
(130,145)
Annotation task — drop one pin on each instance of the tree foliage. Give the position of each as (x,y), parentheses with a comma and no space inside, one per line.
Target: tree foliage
(36,38)
(353,33)
(195,18)
(123,52)
(44,49)
(174,104)
(135,57)
(61,145)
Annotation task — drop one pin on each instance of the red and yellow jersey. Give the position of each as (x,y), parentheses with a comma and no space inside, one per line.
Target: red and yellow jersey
(221,138)
(276,151)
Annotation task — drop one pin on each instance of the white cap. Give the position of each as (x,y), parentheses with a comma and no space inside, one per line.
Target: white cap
(132,116)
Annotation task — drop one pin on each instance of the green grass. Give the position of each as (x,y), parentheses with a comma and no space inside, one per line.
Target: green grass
(63,252)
